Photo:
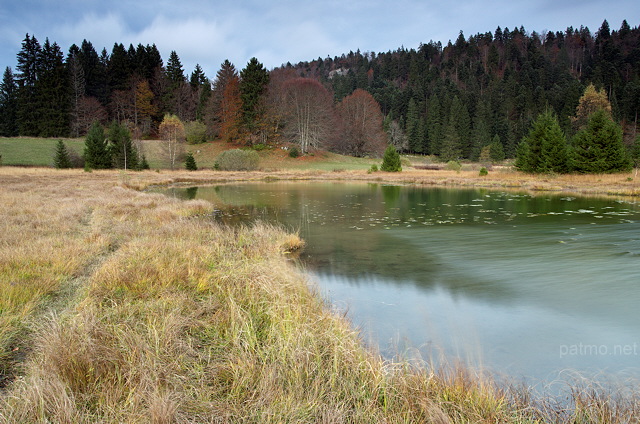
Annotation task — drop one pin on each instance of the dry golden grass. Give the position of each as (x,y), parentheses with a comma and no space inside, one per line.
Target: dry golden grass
(131,307)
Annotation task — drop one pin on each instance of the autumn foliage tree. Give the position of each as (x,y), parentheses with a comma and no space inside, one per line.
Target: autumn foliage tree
(361,125)
(591,101)
(230,111)
(307,109)
(172,135)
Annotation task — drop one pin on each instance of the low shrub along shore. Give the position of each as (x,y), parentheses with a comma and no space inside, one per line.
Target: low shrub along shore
(125,306)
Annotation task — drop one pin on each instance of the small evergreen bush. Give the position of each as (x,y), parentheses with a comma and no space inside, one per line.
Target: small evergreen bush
(238,160)
(391,160)
(190,162)
(61,159)
(294,152)
(374,168)
(483,172)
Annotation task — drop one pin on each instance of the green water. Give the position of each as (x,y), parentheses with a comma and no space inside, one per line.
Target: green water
(524,286)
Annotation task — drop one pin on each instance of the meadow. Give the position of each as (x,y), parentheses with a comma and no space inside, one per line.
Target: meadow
(125,306)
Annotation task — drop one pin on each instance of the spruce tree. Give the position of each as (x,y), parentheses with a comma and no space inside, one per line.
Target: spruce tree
(61,159)
(598,147)
(96,152)
(29,69)
(544,148)
(253,84)
(190,162)
(391,160)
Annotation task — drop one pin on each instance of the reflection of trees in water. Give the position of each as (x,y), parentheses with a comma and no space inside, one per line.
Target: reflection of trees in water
(400,233)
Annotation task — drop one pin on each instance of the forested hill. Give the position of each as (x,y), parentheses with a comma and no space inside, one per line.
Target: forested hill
(479,91)
(490,85)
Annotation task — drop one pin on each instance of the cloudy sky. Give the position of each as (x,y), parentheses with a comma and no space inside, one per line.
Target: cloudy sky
(277,31)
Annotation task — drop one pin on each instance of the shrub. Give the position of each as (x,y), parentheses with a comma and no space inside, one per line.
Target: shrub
(391,160)
(294,152)
(483,172)
(453,165)
(238,160)
(195,132)
(374,168)
(258,147)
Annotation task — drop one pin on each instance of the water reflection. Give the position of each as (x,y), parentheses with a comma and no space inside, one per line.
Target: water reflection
(505,280)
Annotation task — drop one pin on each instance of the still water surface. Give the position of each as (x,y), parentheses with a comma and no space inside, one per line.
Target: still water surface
(523,286)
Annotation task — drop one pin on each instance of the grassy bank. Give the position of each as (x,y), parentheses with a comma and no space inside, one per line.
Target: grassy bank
(124,306)
(20,151)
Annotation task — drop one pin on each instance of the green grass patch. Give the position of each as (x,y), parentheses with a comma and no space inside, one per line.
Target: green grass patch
(34,151)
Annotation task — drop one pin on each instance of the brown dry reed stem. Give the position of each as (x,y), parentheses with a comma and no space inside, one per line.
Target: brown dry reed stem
(123,306)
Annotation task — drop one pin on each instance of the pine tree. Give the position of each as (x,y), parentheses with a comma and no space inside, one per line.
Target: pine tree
(96,152)
(391,160)
(175,73)
(598,147)
(190,162)
(253,83)
(61,159)
(8,104)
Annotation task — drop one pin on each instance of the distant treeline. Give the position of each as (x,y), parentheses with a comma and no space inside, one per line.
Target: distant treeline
(478,91)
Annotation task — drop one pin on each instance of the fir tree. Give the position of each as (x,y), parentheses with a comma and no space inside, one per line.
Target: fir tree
(61,159)
(190,162)
(391,160)
(598,147)
(96,152)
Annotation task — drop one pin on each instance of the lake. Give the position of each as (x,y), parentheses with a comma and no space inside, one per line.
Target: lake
(533,287)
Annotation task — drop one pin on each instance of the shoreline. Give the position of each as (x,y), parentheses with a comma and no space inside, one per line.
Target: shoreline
(128,306)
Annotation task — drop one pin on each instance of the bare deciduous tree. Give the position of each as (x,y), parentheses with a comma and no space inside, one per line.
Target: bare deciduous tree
(172,136)
(362,125)
(307,108)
